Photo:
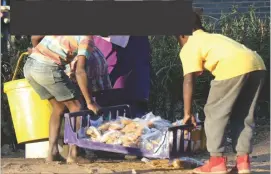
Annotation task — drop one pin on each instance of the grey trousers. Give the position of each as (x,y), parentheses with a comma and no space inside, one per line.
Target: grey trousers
(232,100)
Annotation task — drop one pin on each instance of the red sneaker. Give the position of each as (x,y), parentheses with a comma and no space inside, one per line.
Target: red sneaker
(216,165)
(242,165)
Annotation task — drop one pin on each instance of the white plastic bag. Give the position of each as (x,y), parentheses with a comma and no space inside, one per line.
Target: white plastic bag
(151,140)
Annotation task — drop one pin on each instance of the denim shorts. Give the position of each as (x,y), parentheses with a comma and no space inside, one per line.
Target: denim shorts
(49,81)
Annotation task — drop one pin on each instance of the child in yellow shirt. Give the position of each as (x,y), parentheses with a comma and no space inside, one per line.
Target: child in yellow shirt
(239,76)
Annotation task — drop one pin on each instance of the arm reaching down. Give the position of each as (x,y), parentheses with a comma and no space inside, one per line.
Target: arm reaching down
(192,64)
(82,81)
(188,90)
(81,77)
(85,48)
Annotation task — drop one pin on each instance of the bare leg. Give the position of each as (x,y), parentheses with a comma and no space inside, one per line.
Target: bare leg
(54,129)
(74,106)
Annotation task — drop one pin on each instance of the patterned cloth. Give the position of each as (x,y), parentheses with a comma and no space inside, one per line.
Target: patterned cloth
(96,68)
(54,49)
(97,71)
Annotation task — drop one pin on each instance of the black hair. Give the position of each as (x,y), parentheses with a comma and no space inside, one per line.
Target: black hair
(197,24)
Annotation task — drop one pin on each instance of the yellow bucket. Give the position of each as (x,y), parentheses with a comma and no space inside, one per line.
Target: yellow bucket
(30,115)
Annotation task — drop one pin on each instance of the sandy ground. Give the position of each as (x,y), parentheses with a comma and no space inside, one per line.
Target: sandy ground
(260,164)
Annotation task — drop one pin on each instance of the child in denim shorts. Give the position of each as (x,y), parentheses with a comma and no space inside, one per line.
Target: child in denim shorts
(45,72)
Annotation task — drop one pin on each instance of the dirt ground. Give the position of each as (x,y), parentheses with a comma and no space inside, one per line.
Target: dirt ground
(17,164)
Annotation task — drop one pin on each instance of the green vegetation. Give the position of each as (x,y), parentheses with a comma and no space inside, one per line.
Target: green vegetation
(166,89)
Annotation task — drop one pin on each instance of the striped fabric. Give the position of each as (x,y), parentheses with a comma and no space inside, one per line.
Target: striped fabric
(56,48)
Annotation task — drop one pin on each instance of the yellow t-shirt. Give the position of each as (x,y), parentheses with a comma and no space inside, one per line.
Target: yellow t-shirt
(222,56)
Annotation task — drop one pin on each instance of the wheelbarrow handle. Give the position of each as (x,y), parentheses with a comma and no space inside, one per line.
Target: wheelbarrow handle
(18,65)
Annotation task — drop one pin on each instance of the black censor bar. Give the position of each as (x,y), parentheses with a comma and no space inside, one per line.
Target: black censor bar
(101,17)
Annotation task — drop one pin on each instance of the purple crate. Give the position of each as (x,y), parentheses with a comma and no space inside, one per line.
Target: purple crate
(174,136)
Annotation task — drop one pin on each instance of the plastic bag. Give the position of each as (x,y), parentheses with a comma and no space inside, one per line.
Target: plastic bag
(142,130)
(148,116)
(151,140)
(156,121)
(160,124)
(96,123)
(94,133)
(111,137)
(115,126)
(116,142)
(129,137)
(129,128)
(178,123)
(104,127)
(130,140)
(163,146)
(154,136)
(124,121)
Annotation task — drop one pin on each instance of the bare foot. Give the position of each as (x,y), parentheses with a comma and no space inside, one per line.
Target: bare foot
(78,160)
(56,157)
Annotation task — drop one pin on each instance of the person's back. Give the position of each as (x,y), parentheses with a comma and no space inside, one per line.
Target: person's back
(222,56)
(239,76)
(44,70)
(53,50)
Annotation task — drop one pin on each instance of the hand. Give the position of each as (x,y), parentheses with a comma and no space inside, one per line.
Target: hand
(70,56)
(188,117)
(94,107)
(72,77)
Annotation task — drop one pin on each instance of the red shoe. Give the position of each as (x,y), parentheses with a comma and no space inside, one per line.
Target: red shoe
(242,165)
(216,165)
